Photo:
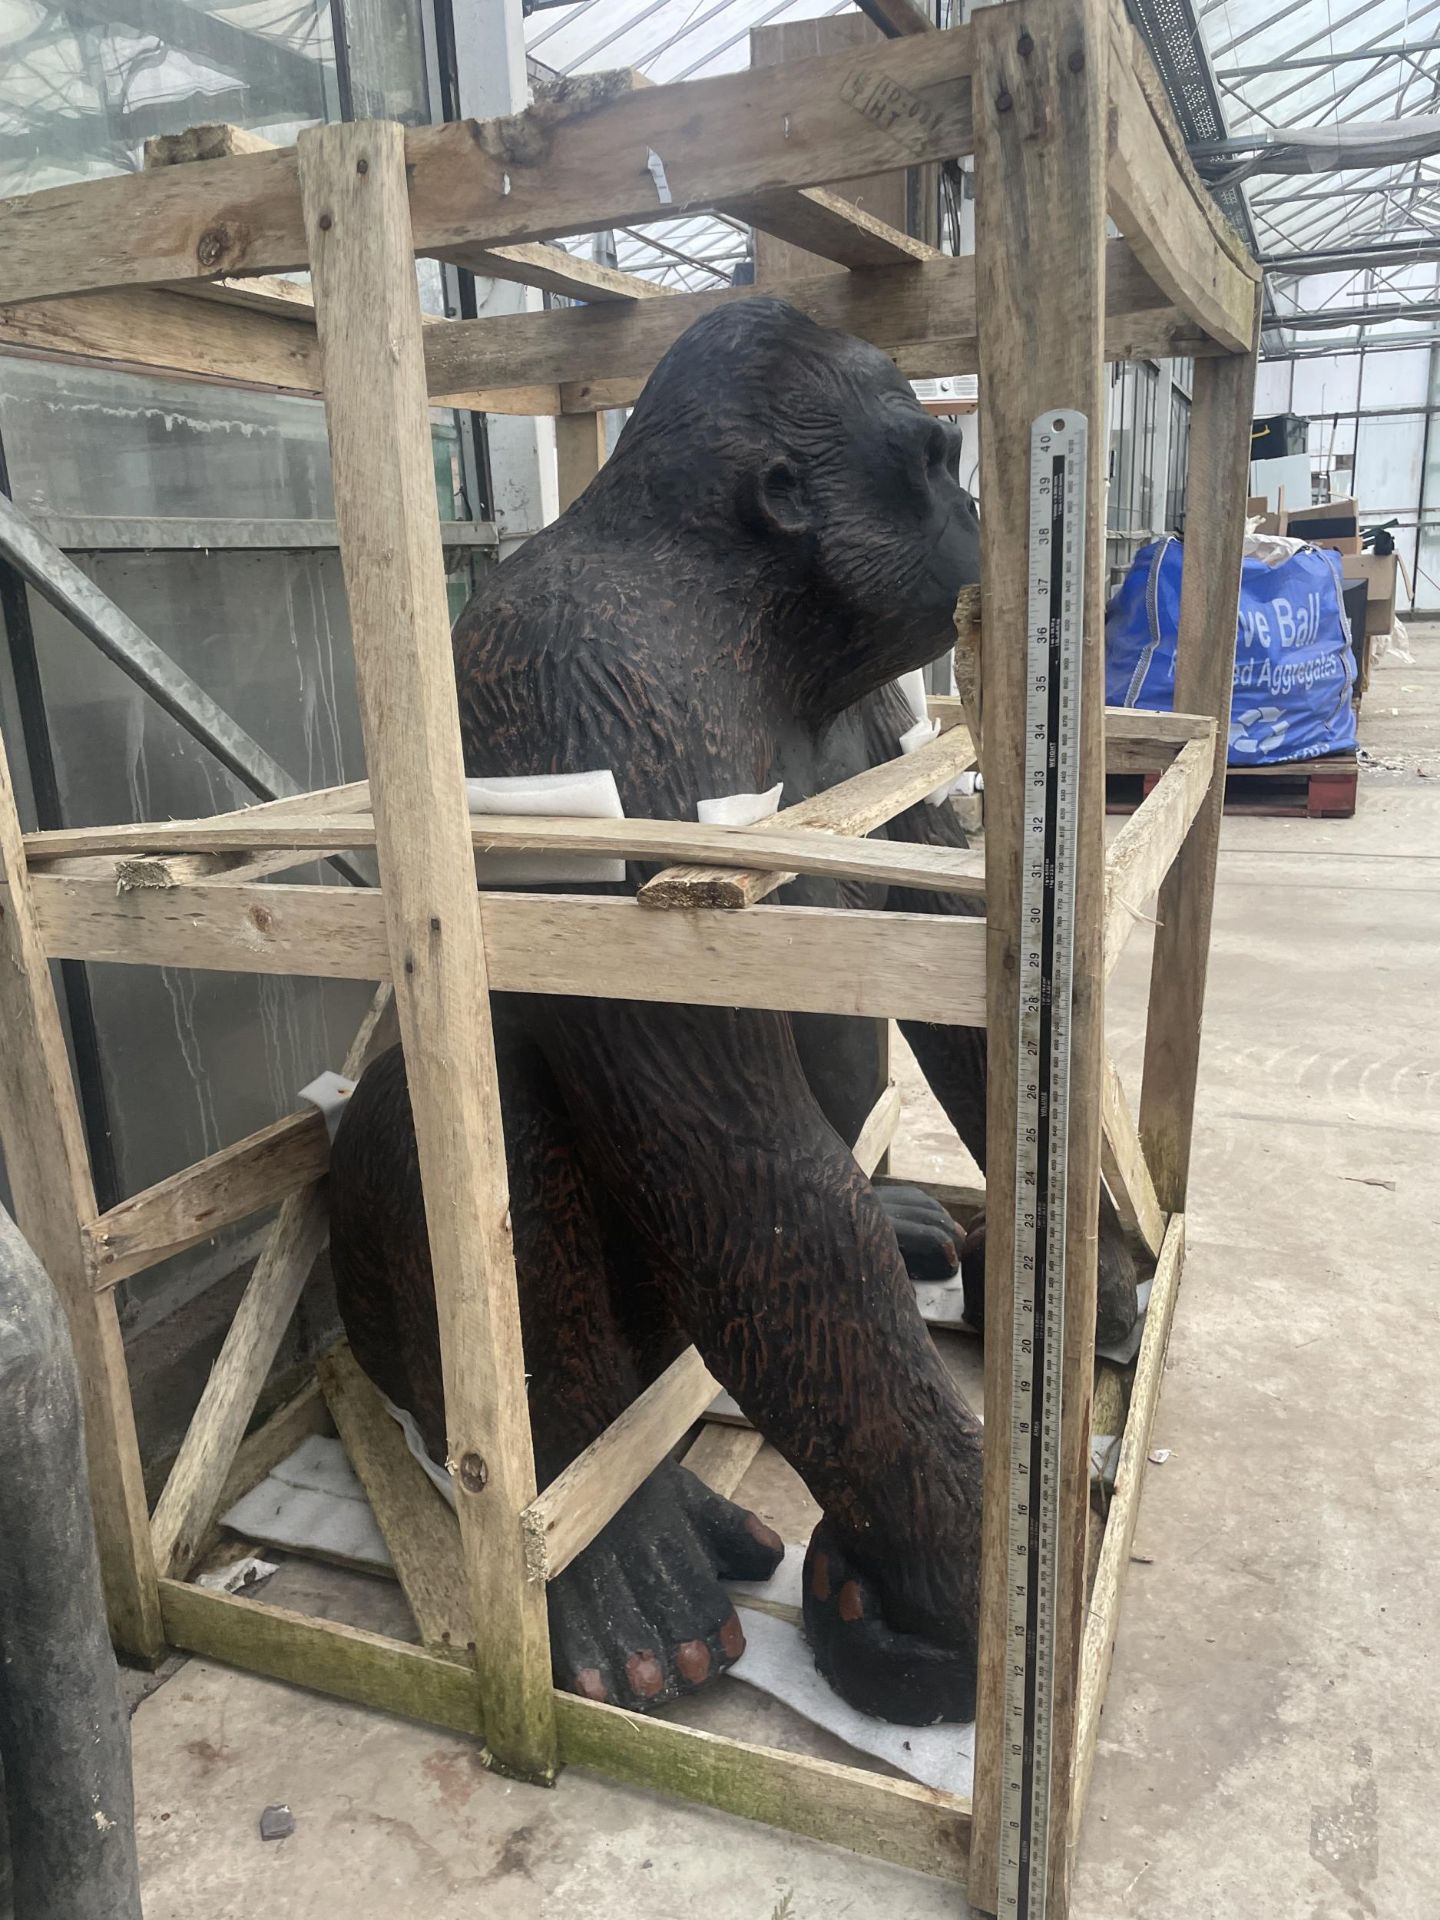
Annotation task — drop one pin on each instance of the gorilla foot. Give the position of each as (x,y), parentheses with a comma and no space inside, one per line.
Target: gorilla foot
(894,1676)
(1116,1306)
(642,1616)
(929,1238)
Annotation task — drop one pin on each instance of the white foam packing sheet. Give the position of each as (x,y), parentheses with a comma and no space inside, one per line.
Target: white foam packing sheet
(313,1502)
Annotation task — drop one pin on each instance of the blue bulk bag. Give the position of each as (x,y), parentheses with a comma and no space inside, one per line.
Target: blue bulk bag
(1294,665)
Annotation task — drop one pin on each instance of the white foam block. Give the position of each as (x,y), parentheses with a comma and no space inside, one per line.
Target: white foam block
(568,796)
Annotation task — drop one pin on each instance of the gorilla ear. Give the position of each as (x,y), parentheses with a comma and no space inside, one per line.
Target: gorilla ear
(772,499)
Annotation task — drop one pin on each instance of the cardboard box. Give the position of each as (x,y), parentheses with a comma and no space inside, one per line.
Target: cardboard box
(1378,571)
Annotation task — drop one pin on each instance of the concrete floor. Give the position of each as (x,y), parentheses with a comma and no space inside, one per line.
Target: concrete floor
(1269,1743)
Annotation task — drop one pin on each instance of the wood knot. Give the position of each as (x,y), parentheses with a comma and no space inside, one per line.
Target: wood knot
(213,247)
(261,918)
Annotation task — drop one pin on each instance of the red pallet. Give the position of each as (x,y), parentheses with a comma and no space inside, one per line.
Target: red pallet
(1323,789)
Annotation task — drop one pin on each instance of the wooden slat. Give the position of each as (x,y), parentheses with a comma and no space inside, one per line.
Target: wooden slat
(823,223)
(265,293)
(1141,742)
(579,453)
(886,195)
(565,1518)
(197,1202)
(160,330)
(1122,1161)
(923,314)
(854,806)
(419,1528)
(535,264)
(792,959)
(1142,852)
(1157,209)
(891,306)
(1103,1618)
(1204,673)
(355,189)
(840,856)
(722,1456)
(1040,131)
(193,1493)
(567,165)
(896,1820)
(881,1124)
(1129,51)
(553,270)
(215,140)
(48,1172)
(896,18)
(1136,740)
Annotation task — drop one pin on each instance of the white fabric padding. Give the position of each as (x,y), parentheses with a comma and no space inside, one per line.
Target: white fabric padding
(570,796)
(739,809)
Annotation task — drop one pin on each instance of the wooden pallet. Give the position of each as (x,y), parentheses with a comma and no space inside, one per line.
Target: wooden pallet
(1323,789)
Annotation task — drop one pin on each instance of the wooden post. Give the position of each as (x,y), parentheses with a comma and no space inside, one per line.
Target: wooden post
(1220,413)
(357,222)
(49,1174)
(1040,141)
(579,452)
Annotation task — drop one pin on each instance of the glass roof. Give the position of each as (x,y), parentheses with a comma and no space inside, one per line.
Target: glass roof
(1313,64)
(1301,64)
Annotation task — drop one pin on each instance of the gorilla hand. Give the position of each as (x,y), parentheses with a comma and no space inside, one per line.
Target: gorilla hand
(928,1236)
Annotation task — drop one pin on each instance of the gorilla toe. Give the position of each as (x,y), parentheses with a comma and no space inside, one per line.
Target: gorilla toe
(894,1676)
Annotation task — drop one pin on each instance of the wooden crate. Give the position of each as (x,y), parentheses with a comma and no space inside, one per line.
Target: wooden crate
(161,270)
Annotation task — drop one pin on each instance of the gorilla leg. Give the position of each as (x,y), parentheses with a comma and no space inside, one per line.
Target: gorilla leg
(782,1266)
(641,1615)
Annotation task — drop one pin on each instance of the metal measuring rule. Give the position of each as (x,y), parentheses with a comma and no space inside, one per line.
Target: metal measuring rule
(1054,630)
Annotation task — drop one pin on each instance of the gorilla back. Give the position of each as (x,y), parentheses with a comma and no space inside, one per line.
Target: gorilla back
(779,533)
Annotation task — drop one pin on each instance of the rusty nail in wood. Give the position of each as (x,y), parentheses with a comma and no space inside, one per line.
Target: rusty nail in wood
(211,246)
(473,1473)
(326,223)
(1076,62)
(362,166)
(1003,102)
(1026,46)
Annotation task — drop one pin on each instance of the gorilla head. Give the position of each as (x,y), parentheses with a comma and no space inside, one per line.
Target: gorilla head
(802,456)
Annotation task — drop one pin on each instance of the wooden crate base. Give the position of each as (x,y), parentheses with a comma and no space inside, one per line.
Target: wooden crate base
(1323,789)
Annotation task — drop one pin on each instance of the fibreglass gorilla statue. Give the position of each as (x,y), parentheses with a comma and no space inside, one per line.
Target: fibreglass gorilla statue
(779,533)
